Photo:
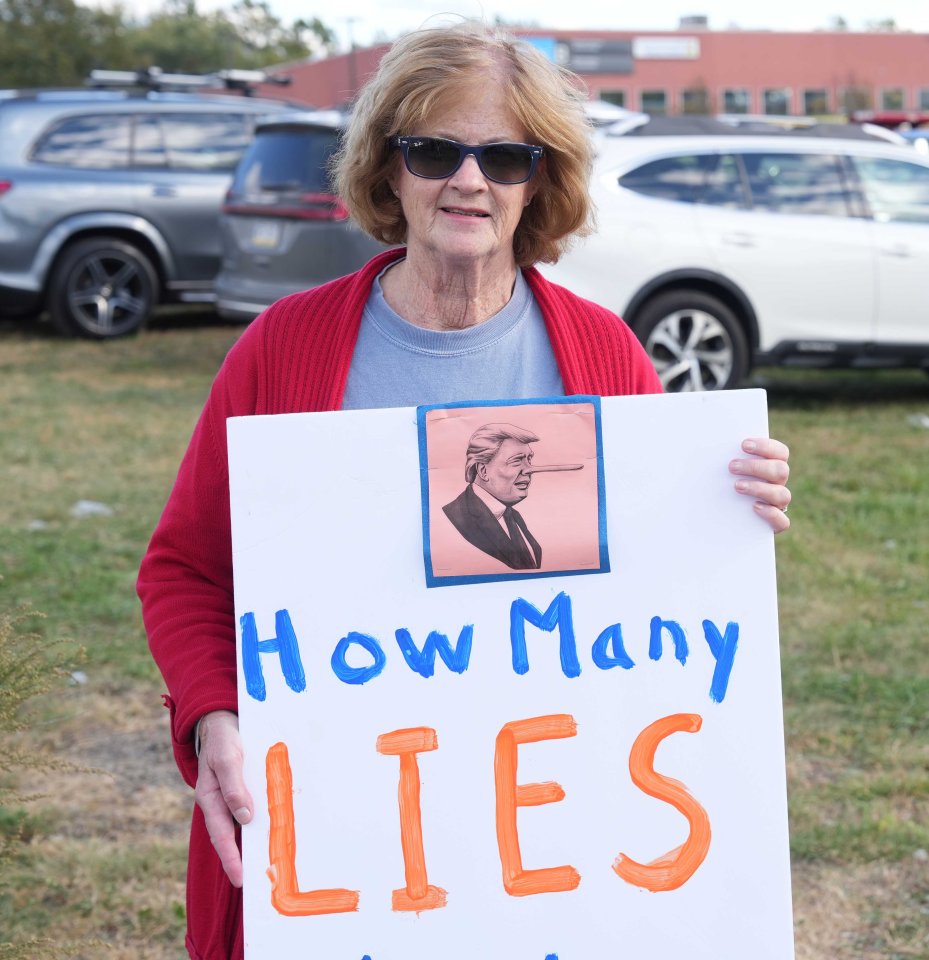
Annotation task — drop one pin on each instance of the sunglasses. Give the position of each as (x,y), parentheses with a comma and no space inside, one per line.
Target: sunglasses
(436,158)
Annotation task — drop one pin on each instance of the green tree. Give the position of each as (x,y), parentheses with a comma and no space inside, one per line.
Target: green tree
(55,42)
(271,41)
(249,36)
(47,43)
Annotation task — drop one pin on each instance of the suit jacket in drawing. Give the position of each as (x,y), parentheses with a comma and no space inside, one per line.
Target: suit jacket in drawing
(474,521)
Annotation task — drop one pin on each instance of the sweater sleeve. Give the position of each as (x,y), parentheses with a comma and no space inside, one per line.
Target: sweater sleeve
(185,580)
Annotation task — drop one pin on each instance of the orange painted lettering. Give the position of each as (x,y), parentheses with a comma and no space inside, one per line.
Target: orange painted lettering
(676,867)
(282,849)
(510,795)
(418,894)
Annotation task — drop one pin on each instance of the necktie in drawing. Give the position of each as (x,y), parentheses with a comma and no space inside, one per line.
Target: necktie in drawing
(521,551)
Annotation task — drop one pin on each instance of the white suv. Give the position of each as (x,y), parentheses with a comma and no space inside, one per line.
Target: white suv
(726,251)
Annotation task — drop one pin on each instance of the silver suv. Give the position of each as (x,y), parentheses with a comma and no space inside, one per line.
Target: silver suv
(110,201)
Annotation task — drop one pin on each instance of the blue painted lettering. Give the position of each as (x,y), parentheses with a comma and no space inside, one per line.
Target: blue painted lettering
(611,638)
(284,644)
(558,614)
(723,649)
(357,675)
(677,635)
(423,661)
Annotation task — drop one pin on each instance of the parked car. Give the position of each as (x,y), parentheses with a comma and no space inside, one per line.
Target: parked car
(918,138)
(725,251)
(110,200)
(283,229)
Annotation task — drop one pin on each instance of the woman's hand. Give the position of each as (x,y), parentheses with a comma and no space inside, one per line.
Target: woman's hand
(764,477)
(221,792)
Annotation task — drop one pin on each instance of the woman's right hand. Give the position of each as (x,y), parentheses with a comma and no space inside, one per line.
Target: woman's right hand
(221,792)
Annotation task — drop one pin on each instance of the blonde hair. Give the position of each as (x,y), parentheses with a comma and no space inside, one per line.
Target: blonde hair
(427,67)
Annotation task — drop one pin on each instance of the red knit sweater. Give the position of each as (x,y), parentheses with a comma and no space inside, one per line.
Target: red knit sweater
(295,357)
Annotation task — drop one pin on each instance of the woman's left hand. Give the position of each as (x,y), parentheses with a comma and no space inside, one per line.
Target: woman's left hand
(764,476)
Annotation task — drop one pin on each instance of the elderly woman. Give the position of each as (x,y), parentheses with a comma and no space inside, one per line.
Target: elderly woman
(472,150)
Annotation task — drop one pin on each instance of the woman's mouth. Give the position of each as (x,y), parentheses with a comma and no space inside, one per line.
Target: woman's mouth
(461,212)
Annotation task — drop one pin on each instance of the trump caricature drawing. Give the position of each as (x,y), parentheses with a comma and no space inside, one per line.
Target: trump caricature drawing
(498,471)
(532,499)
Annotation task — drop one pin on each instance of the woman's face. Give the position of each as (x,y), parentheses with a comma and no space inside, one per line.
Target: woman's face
(465,217)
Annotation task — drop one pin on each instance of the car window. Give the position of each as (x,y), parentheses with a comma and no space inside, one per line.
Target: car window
(284,160)
(723,186)
(204,141)
(148,145)
(897,191)
(692,178)
(95,142)
(799,183)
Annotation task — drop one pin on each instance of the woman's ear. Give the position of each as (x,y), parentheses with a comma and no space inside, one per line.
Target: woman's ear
(534,183)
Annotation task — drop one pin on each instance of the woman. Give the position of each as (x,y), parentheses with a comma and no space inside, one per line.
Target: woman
(472,150)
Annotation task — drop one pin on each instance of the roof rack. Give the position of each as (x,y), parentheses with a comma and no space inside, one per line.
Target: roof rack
(154,78)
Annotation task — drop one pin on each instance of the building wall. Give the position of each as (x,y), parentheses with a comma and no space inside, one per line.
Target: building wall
(795,62)
(870,64)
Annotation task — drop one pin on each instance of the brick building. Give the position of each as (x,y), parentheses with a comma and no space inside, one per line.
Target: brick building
(696,70)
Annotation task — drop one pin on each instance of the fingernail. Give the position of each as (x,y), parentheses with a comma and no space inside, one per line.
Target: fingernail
(243,814)
(736,466)
(741,486)
(749,446)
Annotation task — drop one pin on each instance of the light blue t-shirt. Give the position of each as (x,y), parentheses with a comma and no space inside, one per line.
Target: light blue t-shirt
(398,364)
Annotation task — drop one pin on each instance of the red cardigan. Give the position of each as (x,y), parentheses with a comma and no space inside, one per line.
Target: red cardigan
(295,357)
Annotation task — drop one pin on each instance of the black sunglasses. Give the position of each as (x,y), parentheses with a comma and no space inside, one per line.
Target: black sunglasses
(436,158)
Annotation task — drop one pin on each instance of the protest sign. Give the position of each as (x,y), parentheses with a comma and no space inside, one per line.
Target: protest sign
(556,737)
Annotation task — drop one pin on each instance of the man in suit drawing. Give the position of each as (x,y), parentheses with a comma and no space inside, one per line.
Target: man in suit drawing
(498,471)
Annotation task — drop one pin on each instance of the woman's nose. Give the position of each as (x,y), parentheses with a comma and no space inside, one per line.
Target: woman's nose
(468,176)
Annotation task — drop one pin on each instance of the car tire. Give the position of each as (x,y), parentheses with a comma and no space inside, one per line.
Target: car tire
(694,340)
(102,287)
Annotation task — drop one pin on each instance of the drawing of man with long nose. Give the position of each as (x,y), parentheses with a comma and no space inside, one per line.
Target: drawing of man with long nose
(498,471)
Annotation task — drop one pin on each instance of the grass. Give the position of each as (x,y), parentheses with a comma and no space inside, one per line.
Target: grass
(102,854)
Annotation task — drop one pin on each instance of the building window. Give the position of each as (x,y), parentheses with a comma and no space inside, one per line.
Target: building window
(616,97)
(856,98)
(654,101)
(737,101)
(696,100)
(893,98)
(924,98)
(777,102)
(815,102)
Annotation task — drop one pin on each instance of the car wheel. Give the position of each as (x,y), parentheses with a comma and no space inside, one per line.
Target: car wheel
(102,287)
(694,340)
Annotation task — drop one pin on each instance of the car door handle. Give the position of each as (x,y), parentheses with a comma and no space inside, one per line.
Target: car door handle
(164,192)
(899,250)
(738,239)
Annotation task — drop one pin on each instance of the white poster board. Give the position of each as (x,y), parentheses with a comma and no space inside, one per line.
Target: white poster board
(527,831)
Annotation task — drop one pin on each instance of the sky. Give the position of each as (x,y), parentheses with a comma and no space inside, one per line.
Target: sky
(367,21)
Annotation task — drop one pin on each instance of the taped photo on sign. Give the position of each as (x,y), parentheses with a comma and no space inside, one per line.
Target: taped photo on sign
(512,490)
